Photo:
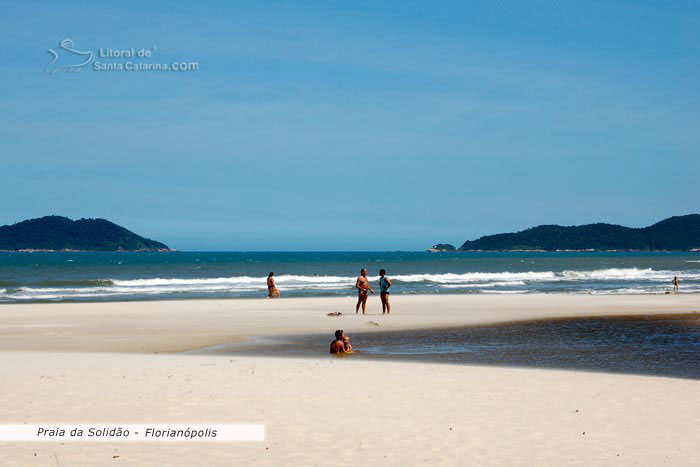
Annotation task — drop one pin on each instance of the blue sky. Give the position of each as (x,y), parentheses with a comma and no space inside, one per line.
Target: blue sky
(353,125)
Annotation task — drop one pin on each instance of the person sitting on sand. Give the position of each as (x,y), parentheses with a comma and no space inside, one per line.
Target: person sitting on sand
(271,288)
(363,288)
(338,345)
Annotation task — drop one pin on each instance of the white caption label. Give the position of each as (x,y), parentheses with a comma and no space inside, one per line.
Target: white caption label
(146,432)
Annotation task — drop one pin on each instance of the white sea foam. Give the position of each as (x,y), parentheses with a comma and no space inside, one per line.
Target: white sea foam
(628,291)
(624,274)
(614,280)
(610,274)
(301,281)
(475,286)
(239,280)
(468,277)
(505,292)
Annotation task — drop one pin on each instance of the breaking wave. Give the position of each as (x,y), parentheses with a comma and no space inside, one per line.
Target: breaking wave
(611,280)
(66,283)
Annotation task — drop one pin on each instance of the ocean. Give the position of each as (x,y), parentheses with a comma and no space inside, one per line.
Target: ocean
(96,276)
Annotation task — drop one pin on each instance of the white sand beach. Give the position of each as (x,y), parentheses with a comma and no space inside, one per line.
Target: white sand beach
(97,363)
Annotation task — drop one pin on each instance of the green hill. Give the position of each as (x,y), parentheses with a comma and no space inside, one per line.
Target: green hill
(680,233)
(61,233)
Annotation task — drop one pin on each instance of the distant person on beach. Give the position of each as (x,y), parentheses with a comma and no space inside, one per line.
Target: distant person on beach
(675,284)
(271,287)
(384,284)
(363,289)
(338,345)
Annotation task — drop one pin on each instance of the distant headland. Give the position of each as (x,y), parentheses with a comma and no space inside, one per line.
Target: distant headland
(678,233)
(56,233)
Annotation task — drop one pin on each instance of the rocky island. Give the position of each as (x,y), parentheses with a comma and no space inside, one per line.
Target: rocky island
(441,247)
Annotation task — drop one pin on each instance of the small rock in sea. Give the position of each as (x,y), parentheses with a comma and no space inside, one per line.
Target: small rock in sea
(335,313)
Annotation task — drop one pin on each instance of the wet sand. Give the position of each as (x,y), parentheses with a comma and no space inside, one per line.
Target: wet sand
(96,363)
(655,345)
(182,325)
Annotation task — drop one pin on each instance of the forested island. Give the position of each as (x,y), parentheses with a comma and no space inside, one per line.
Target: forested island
(678,233)
(56,233)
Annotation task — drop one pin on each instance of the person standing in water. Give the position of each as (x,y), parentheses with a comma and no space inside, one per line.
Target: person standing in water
(271,287)
(384,284)
(363,289)
(675,284)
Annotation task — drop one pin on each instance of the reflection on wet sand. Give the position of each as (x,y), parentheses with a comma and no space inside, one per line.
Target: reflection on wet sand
(662,345)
